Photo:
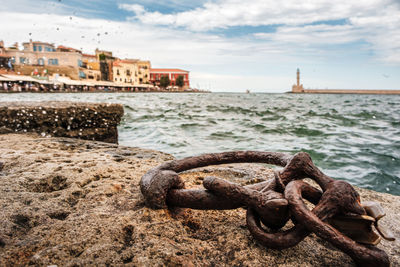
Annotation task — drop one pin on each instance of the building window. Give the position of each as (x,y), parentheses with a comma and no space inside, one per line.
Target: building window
(34,48)
(79,63)
(128,72)
(116,79)
(22,60)
(117,71)
(82,74)
(40,48)
(40,61)
(53,61)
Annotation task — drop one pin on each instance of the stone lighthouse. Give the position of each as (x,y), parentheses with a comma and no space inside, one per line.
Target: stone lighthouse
(298,88)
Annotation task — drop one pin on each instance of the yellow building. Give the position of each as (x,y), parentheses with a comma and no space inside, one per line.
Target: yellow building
(144,67)
(126,71)
(91,67)
(90,62)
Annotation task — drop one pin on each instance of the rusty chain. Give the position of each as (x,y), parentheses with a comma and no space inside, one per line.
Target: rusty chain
(338,215)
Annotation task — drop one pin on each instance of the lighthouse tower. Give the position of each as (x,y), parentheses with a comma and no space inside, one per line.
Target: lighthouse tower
(298,88)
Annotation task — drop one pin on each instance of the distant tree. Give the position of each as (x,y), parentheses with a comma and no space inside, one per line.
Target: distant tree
(179,81)
(164,81)
(102,57)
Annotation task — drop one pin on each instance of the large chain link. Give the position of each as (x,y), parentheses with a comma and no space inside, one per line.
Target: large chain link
(274,202)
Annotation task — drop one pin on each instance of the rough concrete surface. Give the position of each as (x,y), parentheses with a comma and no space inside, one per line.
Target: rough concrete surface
(89,121)
(71,202)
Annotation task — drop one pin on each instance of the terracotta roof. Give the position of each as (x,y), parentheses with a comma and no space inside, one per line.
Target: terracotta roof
(167,70)
(38,42)
(129,60)
(68,48)
(87,55)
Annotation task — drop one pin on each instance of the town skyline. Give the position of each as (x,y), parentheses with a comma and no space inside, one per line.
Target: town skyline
(38,63)
(349,45)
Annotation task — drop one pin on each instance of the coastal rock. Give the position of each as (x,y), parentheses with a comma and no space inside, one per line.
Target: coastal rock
(88,121)
(71,202)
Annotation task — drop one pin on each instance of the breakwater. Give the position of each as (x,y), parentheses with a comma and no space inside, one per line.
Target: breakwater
(88,121)
(349,91)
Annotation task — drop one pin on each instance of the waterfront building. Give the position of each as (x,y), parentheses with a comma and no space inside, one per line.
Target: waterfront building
(105,59)
(173,74)
(144,67)
(42,57)
(90,62)
(91,67)
(2,49)
(297,88)
(5,61)
(126,71)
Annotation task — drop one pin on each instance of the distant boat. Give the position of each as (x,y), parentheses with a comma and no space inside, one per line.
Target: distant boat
(247,91)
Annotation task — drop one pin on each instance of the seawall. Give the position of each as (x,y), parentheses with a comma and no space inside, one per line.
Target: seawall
(343,91)
(90,121)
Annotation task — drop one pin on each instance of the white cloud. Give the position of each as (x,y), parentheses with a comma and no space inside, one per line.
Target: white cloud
(313,35)
(227,13)
(382,31)
(375,22)
(137,9)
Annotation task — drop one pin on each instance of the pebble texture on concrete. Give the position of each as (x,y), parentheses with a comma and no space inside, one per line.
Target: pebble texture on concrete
(88,121)
(71,202)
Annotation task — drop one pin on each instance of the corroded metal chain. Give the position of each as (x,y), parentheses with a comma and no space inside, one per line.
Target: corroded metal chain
(338,215)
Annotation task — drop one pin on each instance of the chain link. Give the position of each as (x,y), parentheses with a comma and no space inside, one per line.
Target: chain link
(273,202)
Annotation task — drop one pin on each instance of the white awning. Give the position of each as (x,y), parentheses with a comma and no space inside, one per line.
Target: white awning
(68,81)
(4,79)
(23,78)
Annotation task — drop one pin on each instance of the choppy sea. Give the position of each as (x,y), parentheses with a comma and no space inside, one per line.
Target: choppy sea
(350,137)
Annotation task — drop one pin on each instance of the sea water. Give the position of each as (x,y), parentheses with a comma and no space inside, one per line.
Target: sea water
(351,137)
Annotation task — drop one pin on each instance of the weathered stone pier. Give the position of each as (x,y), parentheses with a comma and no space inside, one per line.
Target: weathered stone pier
(90,121)
(71,202)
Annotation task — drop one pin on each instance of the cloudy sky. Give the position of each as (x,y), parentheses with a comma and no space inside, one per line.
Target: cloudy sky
(228,45)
